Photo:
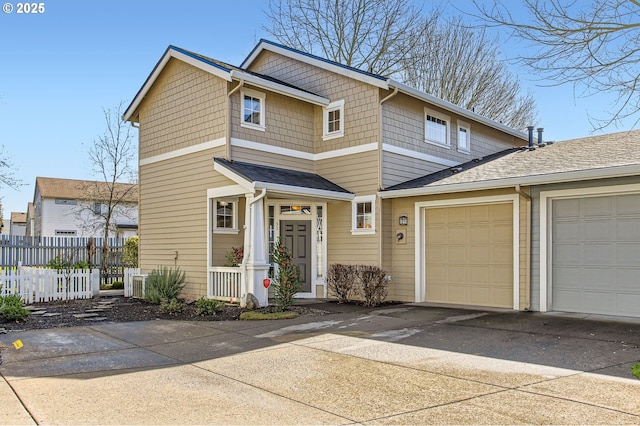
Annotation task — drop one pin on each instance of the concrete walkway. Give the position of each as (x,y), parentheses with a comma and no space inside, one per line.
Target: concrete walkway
(400,365)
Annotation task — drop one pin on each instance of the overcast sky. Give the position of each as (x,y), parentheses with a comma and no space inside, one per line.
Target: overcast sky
(60,68)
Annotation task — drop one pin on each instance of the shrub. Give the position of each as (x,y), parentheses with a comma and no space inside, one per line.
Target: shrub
(164,284)
(81,264)
(117,285)
(172,306)
(208,306)
(234,256)
(58,263)
(288,281)
(373,284)
(12,308)
(130,252)
(341,281)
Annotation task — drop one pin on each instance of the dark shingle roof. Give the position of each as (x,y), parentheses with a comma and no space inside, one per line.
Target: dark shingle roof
(575,155)
(275,175)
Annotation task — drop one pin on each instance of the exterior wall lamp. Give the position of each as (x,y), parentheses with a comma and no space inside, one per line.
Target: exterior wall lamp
(403,220)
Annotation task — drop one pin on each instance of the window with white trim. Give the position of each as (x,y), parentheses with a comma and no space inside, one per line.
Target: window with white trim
(436,128)
(253,109)
(464,137)
(225,216)
(364,215)
(333,120)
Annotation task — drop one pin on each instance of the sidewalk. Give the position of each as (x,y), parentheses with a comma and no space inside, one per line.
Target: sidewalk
(398,365)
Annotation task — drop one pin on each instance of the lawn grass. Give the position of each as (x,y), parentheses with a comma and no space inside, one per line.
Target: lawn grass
(255,316)
(635,369)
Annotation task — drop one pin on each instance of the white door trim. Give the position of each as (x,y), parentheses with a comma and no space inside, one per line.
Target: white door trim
(420,208)
(546,199)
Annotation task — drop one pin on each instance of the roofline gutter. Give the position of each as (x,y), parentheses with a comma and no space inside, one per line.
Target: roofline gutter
(579,175)
(456,109)
(303,191)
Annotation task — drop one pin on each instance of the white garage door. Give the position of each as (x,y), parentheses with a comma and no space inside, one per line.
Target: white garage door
(596,255)
(469,255)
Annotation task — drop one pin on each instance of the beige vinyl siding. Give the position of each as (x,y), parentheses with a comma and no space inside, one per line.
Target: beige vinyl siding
(357,173)
(289,122)
(398,168)
(271,159)
(403,255)
(342,247)
(173,215)
(403,126)
(186,106)
(387,235)
(361,124)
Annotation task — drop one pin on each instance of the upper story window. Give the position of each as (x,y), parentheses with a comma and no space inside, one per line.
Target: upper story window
(225,216)
(253,109)
(464,137)
(333,120)
(66,202)
(436,128)
(364,215)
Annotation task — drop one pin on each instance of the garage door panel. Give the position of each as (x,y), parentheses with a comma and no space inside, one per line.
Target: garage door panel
(595,246)
(478,255)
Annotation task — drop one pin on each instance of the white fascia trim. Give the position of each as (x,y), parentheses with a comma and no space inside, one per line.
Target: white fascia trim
(183,151)
(602,173)
(279,88)
(226,191)
(546,197)
(303,191)
(420,241)
(241,143)
(245,184)
(418,155)
(171,53)
(456,109)
(315,62)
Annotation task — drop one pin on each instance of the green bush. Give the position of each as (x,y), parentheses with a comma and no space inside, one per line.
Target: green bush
(208,306)
(164,284)
(117,285)
(288,281)
(173,306)
(130,252)
(58,263)
(12,308)
(81,264)
(235,256)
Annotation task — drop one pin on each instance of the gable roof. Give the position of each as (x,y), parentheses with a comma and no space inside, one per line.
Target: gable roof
(611,155)
(18,218)
(222,70)
(375,80)
(72,189)
(254,176)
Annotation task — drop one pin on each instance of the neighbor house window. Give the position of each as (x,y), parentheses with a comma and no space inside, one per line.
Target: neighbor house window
(464,137)
(225,216)
(66,202)
(436,128)
(65,233)
(333,120)
(100,208)
(364,215)
(253,109)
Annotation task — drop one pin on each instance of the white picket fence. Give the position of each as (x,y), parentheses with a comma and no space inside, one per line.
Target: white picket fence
(225,283)
(129,273)
(44,285)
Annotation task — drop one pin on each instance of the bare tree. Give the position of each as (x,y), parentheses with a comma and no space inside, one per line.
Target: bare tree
(394,38)
(593,45)
(7,177)
(372,35)
(111,156)
(446,64)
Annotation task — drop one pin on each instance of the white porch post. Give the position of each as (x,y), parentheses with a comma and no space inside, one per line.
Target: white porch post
(255,257)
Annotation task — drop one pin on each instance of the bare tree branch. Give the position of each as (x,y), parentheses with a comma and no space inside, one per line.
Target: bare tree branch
(595,46)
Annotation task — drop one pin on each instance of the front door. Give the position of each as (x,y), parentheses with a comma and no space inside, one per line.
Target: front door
(296,236)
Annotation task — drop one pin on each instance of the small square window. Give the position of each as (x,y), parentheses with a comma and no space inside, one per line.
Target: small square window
(436,128)
(364,215)
(225,216)
(333,120)
(253,109)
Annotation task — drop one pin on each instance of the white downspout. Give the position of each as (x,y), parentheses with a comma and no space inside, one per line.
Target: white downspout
(228,126)
(527,279)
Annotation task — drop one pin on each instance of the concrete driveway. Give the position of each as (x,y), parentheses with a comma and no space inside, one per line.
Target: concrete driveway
(406,364)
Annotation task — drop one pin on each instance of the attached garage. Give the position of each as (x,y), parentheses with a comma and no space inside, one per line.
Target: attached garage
(594,253)
(468,252)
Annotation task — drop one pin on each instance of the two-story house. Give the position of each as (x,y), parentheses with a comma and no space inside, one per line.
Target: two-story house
(75,208)
(289,145)
(18,224)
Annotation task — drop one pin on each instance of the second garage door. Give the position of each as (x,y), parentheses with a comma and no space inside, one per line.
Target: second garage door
(596,255)
(469,255)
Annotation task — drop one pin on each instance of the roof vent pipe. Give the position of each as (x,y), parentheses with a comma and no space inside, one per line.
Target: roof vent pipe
(540,130)
(530,128)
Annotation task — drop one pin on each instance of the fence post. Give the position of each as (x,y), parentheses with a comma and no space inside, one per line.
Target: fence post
(95,282)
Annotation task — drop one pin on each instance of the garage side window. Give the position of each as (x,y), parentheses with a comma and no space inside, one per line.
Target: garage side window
(364,215)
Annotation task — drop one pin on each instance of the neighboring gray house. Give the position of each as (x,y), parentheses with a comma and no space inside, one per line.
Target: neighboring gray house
(18,224)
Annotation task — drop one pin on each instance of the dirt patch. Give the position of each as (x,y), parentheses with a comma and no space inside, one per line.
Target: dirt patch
(72,313)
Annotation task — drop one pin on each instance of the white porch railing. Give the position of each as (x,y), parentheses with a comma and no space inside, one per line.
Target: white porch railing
(44,285)
(225,283)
